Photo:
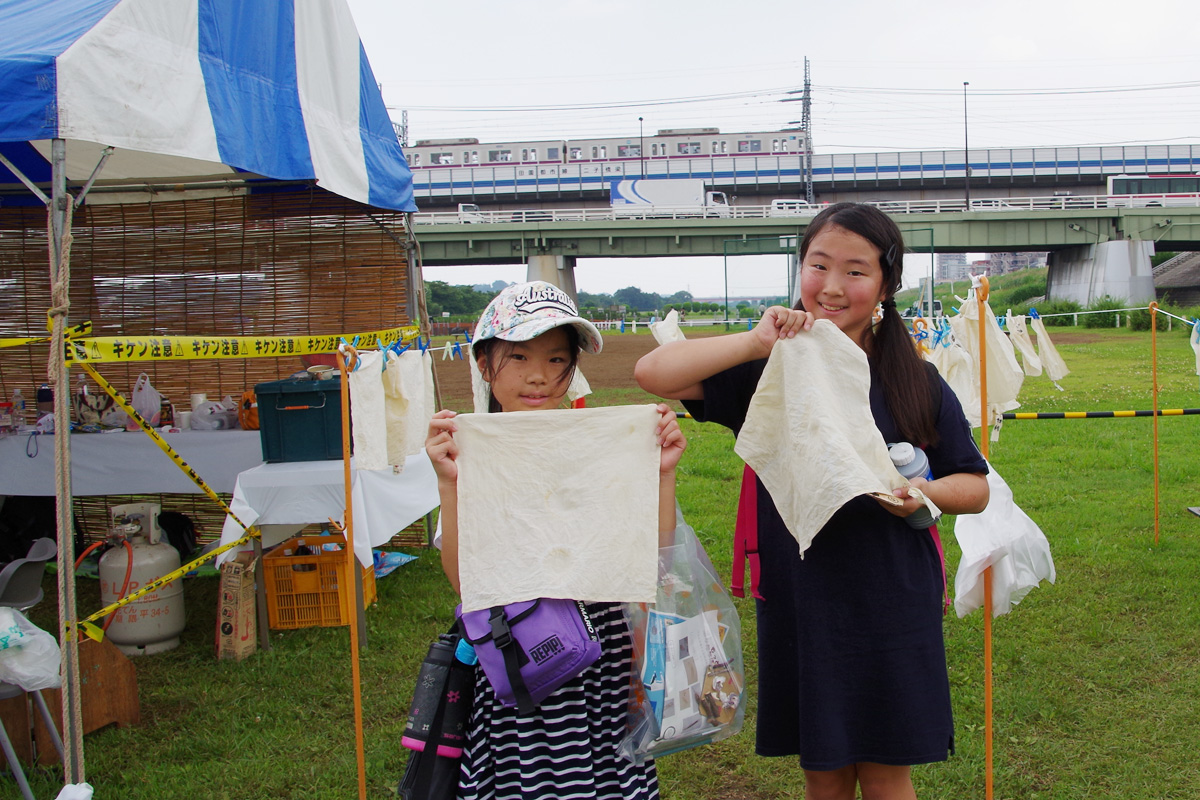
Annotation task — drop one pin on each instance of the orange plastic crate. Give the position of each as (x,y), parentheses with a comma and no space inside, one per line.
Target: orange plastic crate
(310,591)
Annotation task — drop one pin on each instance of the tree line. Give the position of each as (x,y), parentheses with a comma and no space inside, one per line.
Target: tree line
(466,302)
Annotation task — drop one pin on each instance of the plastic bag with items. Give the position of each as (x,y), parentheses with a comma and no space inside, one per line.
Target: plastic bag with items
(146,401)
(214,416)
(29,657)
(688,682)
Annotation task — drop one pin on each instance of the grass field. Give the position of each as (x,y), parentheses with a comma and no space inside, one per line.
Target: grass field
(1097,677)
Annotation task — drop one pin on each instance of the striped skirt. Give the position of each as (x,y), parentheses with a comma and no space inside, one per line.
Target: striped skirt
(567,748)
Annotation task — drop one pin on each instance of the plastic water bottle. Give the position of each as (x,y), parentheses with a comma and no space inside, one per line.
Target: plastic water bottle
(911,462)
(18,409)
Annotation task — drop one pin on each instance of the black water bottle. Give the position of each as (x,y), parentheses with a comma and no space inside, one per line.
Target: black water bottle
(432,683)
(460,696)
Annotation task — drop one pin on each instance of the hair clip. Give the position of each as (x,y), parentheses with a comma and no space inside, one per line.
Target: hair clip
(891,254)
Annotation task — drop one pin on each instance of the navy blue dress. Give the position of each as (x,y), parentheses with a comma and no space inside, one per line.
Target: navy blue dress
(852,665)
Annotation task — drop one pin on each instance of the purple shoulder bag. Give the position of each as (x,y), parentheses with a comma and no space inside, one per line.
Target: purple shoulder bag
(529,649)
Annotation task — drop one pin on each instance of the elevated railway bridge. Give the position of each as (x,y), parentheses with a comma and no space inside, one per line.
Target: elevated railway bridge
(1099,245)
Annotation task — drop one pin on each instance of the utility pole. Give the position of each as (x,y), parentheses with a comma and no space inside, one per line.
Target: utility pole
(966,150)
(642,146)
(806,126)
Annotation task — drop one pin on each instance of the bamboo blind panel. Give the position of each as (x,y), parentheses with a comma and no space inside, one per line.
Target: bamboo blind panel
(266,264)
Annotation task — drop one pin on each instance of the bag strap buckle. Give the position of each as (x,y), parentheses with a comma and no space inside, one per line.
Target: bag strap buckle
(501,633)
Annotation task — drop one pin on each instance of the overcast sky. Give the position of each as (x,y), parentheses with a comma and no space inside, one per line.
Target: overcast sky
(885,76)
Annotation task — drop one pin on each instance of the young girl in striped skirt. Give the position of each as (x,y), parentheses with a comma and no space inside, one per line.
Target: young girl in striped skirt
(526,346)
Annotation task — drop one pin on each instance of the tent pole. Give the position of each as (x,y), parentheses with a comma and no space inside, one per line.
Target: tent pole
(57,372)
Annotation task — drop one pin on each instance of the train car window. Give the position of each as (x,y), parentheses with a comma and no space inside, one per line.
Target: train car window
(688,148)
(576,153)
(629,151)
(474,156)
(415,159)
(654,148)
(604,151)
(499,155)
(552,154)
(750,146)
(595,154)
(524,153)
(442,158)
(533,154)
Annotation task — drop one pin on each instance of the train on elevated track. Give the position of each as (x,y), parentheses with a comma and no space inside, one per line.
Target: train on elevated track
(763,163)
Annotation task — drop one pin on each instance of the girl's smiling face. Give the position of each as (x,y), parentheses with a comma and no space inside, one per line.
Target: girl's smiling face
(841,280)
(533,375)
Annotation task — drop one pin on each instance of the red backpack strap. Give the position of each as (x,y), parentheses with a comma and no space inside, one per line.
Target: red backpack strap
(745,538)
(937,542)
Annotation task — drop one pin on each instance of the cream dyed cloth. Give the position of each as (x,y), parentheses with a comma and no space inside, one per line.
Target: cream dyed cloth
(367,411)
(408,403)
(1195,342)
(1004,374)
(1019,336)
(957,369)
(668,330)
(558,503)
(809,434)
(1056,368)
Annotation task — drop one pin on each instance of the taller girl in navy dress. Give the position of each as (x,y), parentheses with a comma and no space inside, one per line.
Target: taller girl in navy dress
(526,346)
(852,666)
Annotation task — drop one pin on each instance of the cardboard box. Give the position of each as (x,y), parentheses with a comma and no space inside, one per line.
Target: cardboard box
(237,631)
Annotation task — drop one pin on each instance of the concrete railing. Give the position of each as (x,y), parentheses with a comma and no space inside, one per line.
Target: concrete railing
(982,205)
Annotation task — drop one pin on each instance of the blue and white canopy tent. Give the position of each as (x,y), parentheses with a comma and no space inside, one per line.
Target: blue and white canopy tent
(104,97)
(186,88)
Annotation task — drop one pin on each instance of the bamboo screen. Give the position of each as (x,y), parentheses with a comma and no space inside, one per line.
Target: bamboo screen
(266,264)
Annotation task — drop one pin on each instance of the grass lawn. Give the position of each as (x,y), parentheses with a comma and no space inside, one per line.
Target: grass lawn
(1097,677)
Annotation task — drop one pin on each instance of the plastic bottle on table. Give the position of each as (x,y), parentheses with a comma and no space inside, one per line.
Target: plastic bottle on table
(18,409)
(911,462)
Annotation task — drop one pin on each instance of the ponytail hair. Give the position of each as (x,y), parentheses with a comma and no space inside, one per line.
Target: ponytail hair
(895,363)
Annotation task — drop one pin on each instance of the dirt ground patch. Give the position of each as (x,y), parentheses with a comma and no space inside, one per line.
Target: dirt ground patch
(612,369)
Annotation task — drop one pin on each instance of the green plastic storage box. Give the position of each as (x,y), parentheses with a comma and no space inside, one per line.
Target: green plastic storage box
(300,420)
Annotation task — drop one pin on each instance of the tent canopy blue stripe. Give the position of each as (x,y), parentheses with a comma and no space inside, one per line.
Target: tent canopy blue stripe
(391,180)
(35,34)
(248,59)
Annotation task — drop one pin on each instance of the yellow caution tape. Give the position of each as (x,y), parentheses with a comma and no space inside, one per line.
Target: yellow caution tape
(72,331)
(97,633)
(183,348)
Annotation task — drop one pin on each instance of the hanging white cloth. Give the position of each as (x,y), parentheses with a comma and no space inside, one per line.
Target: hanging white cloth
(668,330)
(1056,368)
(367,411)
(1019,336)
(408,403)
(809,434)
(1195,341)
(1004,375)
(1004,538)
(955,366)
(558,503)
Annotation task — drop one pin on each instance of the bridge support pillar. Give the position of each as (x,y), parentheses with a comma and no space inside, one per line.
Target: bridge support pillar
(558,270)
(1119,269)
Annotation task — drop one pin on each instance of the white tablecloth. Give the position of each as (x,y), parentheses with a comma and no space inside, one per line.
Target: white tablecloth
(128,462)
(283,498)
